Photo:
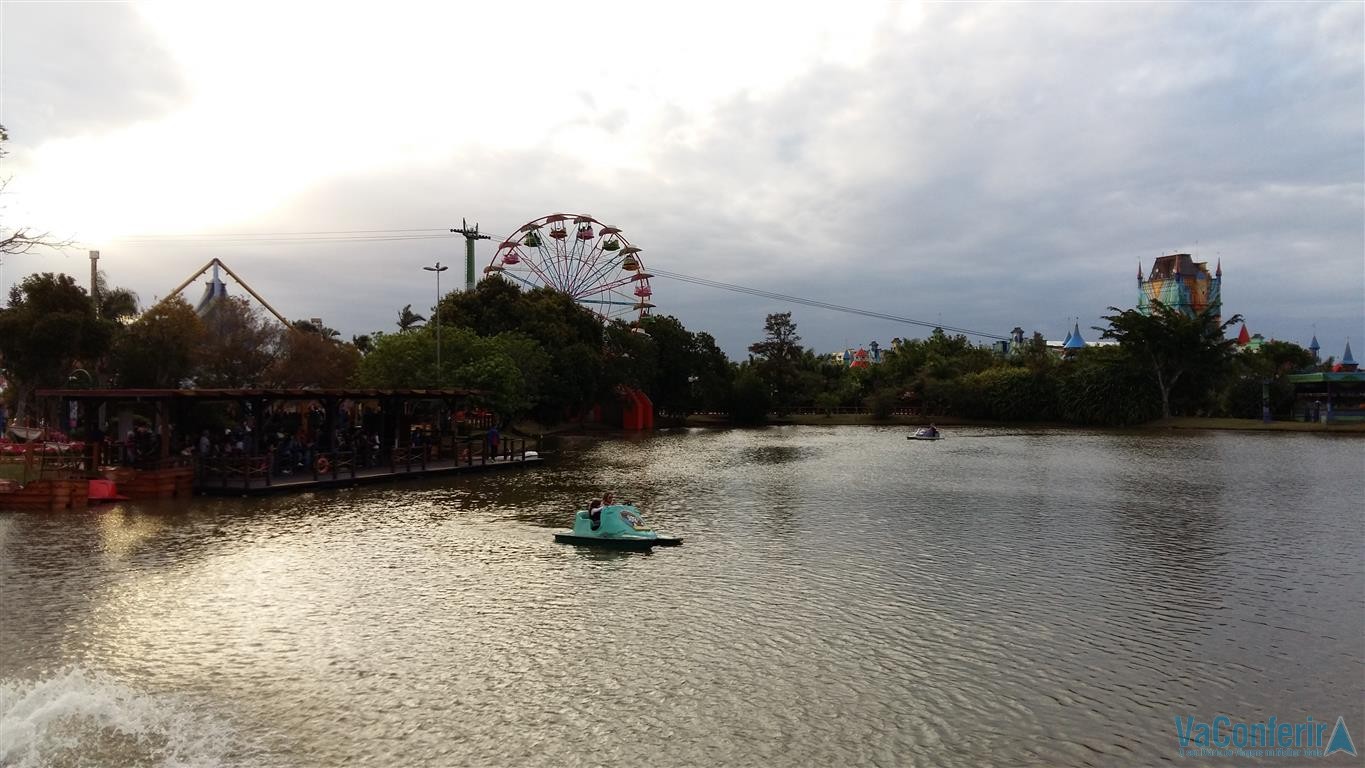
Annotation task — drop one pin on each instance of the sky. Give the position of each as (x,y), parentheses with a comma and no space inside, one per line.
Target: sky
(977,165)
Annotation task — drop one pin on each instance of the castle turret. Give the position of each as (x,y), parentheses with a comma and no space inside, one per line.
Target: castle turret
(1179,282)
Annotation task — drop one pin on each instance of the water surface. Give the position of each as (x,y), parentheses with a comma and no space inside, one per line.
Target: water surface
(844,597)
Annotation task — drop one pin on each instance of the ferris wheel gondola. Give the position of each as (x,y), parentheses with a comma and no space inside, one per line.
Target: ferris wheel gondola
(579,256)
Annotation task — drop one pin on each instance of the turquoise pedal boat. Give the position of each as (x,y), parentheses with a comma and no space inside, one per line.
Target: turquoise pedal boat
(620,526)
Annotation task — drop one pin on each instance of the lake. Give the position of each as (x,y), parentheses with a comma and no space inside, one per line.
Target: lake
(844,597)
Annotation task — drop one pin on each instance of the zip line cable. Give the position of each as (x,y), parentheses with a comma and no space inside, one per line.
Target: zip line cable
(236,235)
(399,235)
(819,304)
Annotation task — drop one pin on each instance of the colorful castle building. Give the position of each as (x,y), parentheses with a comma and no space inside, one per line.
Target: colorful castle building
(862,357)
(1247,341)
(1180,282)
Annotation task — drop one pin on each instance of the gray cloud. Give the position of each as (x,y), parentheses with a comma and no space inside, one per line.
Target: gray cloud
(73,68)
(1001,166)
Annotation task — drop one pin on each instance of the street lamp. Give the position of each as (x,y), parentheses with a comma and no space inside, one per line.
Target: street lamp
(438,269)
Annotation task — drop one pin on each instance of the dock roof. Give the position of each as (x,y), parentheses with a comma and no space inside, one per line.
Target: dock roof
(288,393)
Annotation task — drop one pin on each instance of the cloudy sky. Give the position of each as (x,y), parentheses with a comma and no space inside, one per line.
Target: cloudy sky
(982,166)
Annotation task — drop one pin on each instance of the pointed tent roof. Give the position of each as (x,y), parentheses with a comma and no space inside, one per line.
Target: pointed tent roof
(1346,358)
(1067,341)
(1073,339)
(1313,345)
(1244,337)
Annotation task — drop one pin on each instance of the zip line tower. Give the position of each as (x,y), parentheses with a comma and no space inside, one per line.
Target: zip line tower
(470,235)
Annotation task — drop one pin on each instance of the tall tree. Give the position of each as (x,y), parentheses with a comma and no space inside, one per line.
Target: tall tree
(312,359)
(115,303)
(494,306)
(239,346)
(48,327)
(158,349)
(1172,344)
(778,355)
(318,329)
(676,366)
(714,374)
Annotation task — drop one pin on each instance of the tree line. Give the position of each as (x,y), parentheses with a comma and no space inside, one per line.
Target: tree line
(528,353)
(540,354)
(1164,363)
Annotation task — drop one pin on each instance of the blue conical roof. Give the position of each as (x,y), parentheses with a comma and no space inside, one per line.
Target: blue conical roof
(1346,359)
(1073,339)
(1067,341)
(1314,345)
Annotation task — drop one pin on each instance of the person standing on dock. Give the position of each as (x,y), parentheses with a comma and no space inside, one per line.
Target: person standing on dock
(493,441)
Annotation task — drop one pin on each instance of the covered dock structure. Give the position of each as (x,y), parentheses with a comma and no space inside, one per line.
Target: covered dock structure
(173,442)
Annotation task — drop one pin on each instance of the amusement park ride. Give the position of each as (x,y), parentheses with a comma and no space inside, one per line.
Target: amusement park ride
(582,257)
(595,264)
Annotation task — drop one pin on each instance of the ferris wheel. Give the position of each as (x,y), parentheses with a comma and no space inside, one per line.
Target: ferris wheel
(579,256)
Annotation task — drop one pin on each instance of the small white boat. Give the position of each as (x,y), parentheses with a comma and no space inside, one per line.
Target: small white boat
(925,433)
(27,433)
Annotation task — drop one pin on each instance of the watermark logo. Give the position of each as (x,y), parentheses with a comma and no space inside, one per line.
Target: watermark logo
(1225,737)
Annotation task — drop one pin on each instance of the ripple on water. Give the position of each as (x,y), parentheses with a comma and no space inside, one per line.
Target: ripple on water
(845,597)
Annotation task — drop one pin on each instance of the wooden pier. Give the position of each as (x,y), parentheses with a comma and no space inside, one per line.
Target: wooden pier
(315,439)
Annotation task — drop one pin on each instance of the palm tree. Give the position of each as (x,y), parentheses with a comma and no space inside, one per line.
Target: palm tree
(407,319)
(118,304)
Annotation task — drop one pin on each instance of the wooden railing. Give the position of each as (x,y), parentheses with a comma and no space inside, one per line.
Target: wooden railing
(241,471)
(226,471)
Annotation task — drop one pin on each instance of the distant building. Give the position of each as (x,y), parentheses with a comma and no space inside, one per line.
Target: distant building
(860,357)
(1183,284)
(1330,396)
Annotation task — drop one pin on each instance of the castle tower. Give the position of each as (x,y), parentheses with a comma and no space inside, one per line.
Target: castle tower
(214,290)
(1183,284)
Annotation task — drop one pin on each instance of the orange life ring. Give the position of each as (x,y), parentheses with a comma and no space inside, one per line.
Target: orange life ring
(322,466)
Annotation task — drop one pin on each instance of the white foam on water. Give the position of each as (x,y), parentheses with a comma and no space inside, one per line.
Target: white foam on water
(78,717)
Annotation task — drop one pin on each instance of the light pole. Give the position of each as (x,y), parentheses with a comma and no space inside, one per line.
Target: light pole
(438,269)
